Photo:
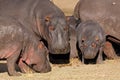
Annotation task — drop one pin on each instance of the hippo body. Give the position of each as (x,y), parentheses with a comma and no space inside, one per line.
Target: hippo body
(19,44)
(106,13)
(90,40)
(45,19)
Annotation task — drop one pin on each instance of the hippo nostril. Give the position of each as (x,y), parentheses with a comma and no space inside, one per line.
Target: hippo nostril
(57,50)
(61,50)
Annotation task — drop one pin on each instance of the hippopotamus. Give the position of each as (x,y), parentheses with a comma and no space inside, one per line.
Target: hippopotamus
(19,45)
(46,20)
(104,12)
(90,40)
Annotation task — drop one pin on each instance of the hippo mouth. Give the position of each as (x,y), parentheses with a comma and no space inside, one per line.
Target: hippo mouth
(60,51)
(38,68)
(90,54)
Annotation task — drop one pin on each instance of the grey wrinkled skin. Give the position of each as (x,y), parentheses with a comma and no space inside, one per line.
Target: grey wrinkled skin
(45,19)
(73,23)
(18,43)
(106,13)
(90,39)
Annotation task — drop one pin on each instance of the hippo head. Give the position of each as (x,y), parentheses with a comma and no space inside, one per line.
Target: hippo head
(89,47)
(37,59)
(57,36)
(91,38)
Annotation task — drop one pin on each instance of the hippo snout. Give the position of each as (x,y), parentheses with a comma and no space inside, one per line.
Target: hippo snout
(48,67)
(64,50)
(90,54)
(42,69)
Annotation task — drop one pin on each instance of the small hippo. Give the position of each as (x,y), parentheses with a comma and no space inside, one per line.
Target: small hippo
(90,40)
(20,44)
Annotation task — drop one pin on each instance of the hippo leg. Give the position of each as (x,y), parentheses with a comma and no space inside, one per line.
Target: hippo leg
(100,58)
(73,51)
(109,51)
(11,61)
(83,60)
(24,68)
(73,40)
(81,55)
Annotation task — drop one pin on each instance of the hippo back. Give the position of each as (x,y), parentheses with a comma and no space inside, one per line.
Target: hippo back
(105,12)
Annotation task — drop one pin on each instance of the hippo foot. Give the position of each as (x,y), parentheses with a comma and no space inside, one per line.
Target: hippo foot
(99,62)
(82,63)
(109,51)
(15,74)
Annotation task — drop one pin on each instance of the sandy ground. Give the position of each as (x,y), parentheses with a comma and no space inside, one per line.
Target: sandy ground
(109,70)
(67,6)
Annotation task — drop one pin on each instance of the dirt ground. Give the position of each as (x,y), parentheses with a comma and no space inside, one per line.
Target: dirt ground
(75,70)
(67,6)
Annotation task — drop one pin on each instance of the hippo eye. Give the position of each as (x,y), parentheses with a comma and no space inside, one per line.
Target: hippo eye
(83,40)
(51,28)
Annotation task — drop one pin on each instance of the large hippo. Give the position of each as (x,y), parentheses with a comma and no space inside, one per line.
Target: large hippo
(20,44)
(90,40)
(44,18)
(106,13)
